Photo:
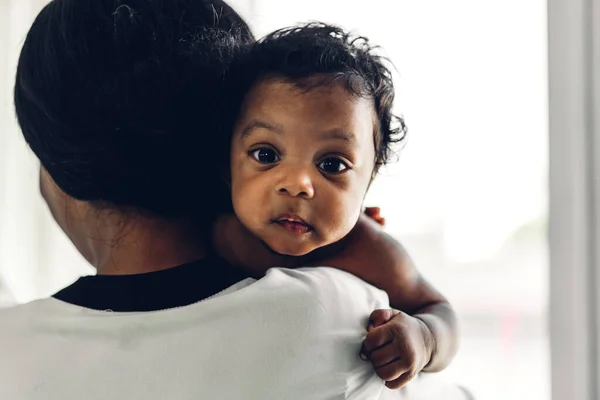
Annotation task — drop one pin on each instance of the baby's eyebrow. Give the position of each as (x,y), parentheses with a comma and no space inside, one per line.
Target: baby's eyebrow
(339,134)
(258,124)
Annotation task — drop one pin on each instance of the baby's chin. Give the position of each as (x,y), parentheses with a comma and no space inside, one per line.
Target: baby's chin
(292,248)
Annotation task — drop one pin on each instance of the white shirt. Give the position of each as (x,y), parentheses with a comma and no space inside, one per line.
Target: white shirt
(295,334)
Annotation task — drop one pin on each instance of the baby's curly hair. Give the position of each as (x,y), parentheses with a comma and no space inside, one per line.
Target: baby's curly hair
(315,55)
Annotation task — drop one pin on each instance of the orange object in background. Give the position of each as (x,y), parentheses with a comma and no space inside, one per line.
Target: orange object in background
(375,214)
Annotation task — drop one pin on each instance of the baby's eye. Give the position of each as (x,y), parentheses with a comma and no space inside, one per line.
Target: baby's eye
(332,165)
(265,155)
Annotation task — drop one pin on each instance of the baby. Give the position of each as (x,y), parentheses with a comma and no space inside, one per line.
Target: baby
(314,124)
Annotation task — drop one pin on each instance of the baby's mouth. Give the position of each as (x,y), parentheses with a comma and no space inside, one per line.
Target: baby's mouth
(293,224)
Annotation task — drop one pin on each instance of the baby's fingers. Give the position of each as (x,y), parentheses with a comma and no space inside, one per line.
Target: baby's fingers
(391,371)
(400,381)
(380,317)
(383,356)
(376,338)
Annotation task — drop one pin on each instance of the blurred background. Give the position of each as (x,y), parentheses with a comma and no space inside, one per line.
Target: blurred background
(468,195)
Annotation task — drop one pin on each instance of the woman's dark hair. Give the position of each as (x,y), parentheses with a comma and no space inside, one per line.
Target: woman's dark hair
(118,99)
(316,55)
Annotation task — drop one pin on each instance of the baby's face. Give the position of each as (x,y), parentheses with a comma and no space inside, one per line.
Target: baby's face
(301,163)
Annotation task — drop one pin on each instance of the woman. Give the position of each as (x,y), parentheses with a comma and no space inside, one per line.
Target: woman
(113,99)
(116,100)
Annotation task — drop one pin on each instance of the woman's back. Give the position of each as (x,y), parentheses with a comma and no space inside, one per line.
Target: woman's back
(294,334)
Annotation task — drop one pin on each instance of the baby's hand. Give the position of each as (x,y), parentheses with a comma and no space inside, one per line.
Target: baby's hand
(396,345)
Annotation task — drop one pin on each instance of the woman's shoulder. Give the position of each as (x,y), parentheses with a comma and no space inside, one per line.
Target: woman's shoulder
(21,317)
(8,310)
(326,279)
(17,320)
(332,289)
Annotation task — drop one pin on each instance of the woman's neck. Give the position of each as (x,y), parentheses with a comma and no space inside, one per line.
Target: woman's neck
(124,242)
(145,245)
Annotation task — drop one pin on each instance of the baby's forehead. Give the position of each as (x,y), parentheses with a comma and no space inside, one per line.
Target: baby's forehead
(277,91)
(309,83)
(319,110)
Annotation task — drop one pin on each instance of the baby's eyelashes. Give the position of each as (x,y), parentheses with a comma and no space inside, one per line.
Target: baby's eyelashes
(265,155)
(333,165)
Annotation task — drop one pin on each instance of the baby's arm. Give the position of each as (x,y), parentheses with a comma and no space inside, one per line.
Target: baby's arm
(376,257)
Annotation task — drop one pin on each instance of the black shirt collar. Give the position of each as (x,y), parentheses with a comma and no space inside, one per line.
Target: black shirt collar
(169,288)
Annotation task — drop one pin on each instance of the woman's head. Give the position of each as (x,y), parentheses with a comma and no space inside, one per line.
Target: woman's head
(315,123)
(116,99)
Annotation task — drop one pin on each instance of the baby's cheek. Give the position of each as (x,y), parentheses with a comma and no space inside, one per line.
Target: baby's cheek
(243,203)
(251,203)
(344,218)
